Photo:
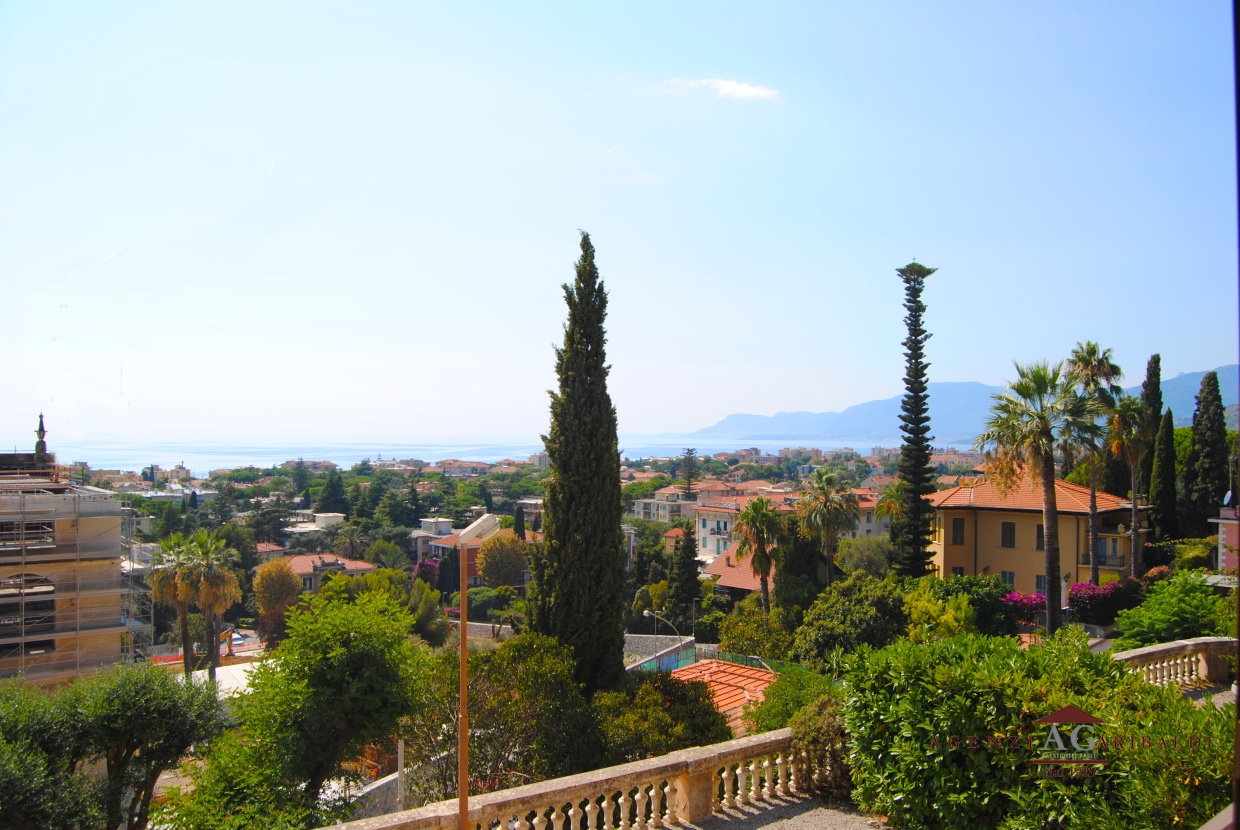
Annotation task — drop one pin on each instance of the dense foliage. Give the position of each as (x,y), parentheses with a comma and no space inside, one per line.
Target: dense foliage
(911,709)
(859,610)
(1178,608)
(795,687)
(1098,604)
(652,714)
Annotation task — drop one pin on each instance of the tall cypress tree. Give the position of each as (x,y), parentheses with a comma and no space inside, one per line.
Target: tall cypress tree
(518,522)
(1205,472)
(1151,419)
(1162,481)
(910,532)
(577,589)
(683,586)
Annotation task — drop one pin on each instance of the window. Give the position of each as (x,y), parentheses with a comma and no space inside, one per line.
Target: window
(957,571)
(703,524)
(1039,583)
(1008,577)
(869,517)
(1115,548)
(1008,535)
(1040,541)
(957,531)
(703,541)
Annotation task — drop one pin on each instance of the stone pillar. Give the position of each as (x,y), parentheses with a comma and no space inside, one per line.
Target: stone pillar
(694,795)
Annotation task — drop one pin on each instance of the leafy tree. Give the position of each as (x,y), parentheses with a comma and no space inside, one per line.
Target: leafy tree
(221,507)
(428,620)
(910,531)
(1162,481)
(752,631)
(268,523)
(332,498)
(215,587)
(871,554)
(931,618)
(1151,417)
(1019,441)
(518,522)
(170,586)
(654,714)
(1097,374)
(417,512)
(1205,473)
(277,587)
(993,615)
(828,509)
(380,551)
(859,610)
(684,587)
(502,559)
(758,526)
(1124,439)
(577,592)
(795,584)
(394,510)
(1178,608)
(794,688)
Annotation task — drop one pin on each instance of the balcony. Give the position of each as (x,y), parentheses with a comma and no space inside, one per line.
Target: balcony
(1182,663)
(1118,562)
(717,531)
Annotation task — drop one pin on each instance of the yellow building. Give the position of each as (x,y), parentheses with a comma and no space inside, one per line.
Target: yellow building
(69,603)
(978,530)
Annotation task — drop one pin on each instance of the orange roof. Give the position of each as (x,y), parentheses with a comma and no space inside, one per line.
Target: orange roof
(303,564)
(1025,495)
(731,687)
(674,533)
(268,547)
(734,573)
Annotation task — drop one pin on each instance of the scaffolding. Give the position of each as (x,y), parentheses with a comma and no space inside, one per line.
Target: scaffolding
(73,589)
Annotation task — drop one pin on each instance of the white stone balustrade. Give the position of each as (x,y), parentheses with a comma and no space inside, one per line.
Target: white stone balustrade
(1181,662)
(684,786)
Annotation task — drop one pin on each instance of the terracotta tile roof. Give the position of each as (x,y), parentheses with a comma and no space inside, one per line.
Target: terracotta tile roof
(268,547)
(674,533)
(731,687)
(303,564)
(736,574)
(1070,498)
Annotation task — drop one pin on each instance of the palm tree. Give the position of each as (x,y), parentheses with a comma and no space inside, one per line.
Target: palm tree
(890,504)
(214,584)
(827,509)
(168,587)
(1125,439)
(350,541)
(1019,440)
(758,527)
(1097,374)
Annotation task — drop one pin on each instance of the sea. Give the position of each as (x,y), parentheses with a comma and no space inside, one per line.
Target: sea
(202,457)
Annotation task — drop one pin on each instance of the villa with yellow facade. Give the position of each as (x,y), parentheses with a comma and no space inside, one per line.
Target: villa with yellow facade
(979,530)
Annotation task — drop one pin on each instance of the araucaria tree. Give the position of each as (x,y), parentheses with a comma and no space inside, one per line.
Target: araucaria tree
(689,472)
(910,531)
(1205,471)
(577,589)
(1019,438)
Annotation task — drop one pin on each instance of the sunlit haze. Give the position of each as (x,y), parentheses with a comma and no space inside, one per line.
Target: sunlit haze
(315,222)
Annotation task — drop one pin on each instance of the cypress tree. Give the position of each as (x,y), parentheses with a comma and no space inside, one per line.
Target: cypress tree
(1205,472)
(1152,411)
(910,532)
(577,590)
(1162,481)
(683,588)
(518,522)
(332,498)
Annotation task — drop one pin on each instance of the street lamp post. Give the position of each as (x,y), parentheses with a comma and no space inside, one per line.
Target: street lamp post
(680,640)
(462,736)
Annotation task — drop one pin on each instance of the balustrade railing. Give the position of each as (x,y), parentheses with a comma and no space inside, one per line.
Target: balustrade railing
(1197,661)
(680,788)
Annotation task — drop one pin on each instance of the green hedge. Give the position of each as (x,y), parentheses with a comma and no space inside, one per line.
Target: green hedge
(905,703)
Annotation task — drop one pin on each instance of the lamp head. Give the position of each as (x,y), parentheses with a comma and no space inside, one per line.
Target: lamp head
(648,614)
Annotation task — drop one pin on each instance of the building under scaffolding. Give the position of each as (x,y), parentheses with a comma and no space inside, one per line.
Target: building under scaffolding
(73,592)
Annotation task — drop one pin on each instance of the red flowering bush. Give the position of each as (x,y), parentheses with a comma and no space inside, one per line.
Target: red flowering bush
(1026,606)
(1098,604)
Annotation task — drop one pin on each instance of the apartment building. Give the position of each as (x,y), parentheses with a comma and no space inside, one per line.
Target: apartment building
(72,596)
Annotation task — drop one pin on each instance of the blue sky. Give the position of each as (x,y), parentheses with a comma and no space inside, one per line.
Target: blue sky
(335,222)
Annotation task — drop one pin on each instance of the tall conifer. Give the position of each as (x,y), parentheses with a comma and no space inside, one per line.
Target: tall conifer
(518,522)
(1152,413)
(1162,481)
(1205,472)
(577,589)
(683,586)
(910,532)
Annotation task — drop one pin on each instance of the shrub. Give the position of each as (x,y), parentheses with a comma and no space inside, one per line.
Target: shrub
(1157,574)
(871,554)
(1178,608)
(859,610)
(818,732)
(930,617)
(992,615)
(1098,604)
(910,710)
(1025,607)
(652,714)
(794,688)
(751,631)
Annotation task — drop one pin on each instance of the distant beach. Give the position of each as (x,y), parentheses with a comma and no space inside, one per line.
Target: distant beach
(201,457)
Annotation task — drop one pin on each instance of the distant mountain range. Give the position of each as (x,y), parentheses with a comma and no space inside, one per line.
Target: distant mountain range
(957,412)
